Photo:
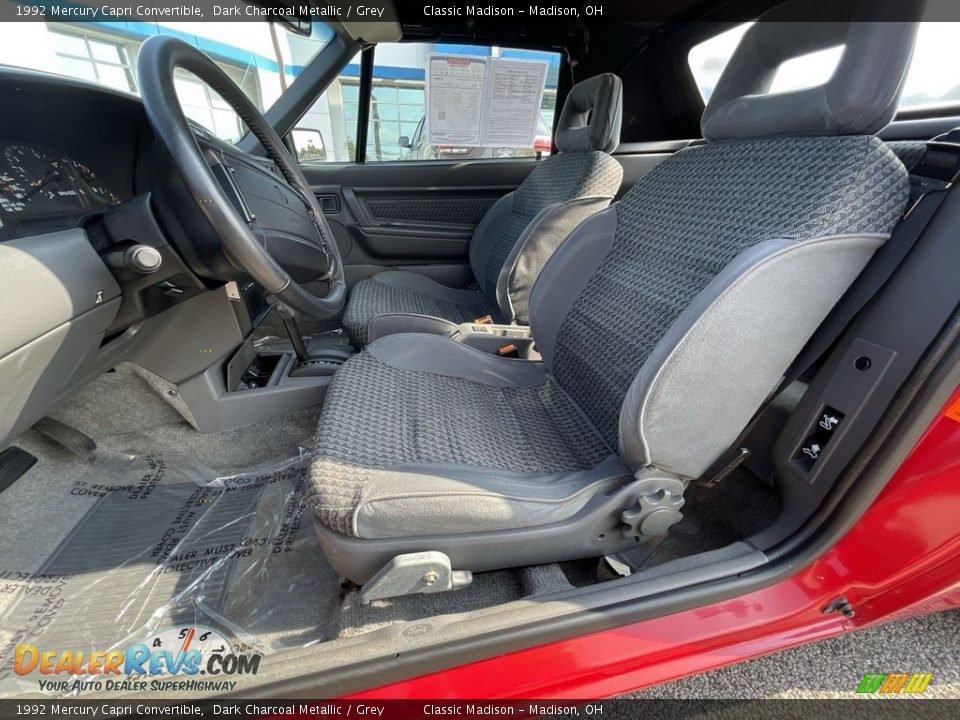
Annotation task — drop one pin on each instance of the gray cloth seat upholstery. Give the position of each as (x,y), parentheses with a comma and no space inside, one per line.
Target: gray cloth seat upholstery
(910,152)
(663,321)
(465,441)
(397,301)
(515,237)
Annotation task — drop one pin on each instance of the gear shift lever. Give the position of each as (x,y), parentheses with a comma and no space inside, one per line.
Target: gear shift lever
(293,330)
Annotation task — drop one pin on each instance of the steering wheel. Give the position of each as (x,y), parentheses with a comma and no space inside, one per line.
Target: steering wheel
(159,58)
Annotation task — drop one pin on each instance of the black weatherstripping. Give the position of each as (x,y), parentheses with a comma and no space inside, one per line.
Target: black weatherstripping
(363,109)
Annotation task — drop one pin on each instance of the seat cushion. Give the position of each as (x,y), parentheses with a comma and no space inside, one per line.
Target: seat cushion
(421,435)
(406,293)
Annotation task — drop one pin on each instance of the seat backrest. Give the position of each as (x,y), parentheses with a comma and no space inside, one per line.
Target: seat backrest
(910,152)
(519,233)
(670,316)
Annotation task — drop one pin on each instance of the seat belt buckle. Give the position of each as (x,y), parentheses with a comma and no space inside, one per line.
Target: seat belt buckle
(484,320)
(725,465)
(509,350)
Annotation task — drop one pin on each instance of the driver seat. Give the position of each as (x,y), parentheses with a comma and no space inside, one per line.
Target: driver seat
(663,322)
(516,236)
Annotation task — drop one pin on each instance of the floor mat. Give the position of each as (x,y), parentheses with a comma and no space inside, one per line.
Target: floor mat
(168,544)
(141,537)
(487,589)
(739,506)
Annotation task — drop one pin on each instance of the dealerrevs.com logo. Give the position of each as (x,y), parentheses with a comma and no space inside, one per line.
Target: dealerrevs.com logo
(150,665)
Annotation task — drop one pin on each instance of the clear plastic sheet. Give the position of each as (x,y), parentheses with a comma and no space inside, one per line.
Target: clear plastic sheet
(328,340)
(170,548)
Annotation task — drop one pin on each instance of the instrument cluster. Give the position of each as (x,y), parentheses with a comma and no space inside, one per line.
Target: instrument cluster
(37,182)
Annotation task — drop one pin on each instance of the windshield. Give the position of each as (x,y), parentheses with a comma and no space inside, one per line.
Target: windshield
(260,57)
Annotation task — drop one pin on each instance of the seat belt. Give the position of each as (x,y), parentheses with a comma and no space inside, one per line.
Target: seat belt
(878,271)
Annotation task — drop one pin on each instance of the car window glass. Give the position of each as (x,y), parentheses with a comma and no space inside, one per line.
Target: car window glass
(398,104)
(709,58)
(331,122)
(261,58)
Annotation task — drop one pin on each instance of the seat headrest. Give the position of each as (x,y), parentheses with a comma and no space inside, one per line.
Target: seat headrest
(590,119)
(861,96)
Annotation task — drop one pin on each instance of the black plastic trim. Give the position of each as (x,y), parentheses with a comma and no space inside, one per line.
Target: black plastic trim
(292,105)
(363,103)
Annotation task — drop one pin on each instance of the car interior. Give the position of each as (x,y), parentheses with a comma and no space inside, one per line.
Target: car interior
(365,418)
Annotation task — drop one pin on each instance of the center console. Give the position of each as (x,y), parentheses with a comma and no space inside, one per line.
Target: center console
(258,384)
(504,340)
(221,380)
(254,369)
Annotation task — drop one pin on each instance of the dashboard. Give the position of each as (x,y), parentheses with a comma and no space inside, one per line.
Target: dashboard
(79,176)
(67,153)
(38,181)
(105,256)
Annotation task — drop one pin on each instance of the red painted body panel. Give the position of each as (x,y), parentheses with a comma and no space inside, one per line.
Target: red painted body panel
(901,559)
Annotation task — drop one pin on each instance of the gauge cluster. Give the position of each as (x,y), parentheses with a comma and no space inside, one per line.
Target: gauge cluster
(36,181)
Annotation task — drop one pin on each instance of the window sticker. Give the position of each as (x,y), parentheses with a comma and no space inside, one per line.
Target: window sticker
(455,88)
(484,102)
(514,94)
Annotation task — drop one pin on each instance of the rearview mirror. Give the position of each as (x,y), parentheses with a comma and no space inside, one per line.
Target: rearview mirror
(295,18)
(404,142)
(309,144)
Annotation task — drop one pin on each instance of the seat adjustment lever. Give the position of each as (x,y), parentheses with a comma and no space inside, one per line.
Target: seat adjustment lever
(415,574)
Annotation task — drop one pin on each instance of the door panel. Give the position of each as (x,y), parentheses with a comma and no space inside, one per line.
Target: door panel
(400,242)
(403,206)
(418,216)
(920,128)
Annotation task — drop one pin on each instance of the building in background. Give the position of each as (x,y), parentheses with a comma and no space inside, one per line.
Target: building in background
(399,97)
(263,60)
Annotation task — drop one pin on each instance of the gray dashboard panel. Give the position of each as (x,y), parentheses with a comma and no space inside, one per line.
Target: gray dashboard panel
(57,300)
(45,280)
(36,375)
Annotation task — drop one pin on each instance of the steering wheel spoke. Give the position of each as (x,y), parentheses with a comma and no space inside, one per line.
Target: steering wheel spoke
(224,175)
